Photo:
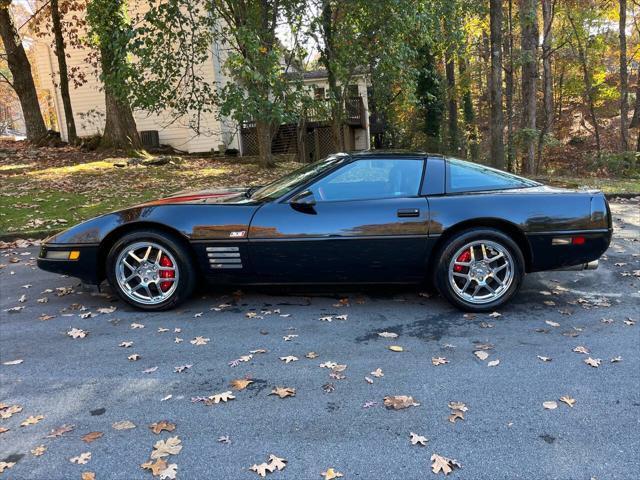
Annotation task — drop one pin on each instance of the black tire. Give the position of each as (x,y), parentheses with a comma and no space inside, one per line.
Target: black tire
(445,256)
(187,272)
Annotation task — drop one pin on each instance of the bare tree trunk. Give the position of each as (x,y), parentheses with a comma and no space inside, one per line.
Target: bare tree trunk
(509,84)
(120,127)
(635,120)
(72,136)
(547,77)
(22,79)
(624,78)
(529,45)
(497,118)
(450,70)
(265,137)
(588,83)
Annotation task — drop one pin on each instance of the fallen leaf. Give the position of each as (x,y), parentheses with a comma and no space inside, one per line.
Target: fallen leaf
(31,420)
(331,474)
(200,341)
(81,459)
(481,354)
(182,368)
(156,467)
(458,406)
(6,465)
(91,437)
(568,400)
(88,476)
(495,315)
(311,355)
(616,359)
(107,309)
(396,348)
(123,425)
(552,323)
(13,362)
(283,392)
(158,427)
(136,326)
(220,397)
(456,415)
(377,373)
(134,357)
(388,335)
(77,333)
(289,359)
(544,359)
(39,450)
(416,439)
(240,383)
(368,380)
(438,361)
(150,370)
(581,349)
(443,464)
(398,402)
(170,472)
(261,469)
(164,448)
(493,363)
(593,362)
(550,405)
(224,439)
(3,430)
(277,463)
(58,432)
(125,344)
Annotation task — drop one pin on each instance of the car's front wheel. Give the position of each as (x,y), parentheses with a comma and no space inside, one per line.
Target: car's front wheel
(479,269)
(150,270)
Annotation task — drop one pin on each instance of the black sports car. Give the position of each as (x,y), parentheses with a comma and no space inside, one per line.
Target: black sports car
(374,217)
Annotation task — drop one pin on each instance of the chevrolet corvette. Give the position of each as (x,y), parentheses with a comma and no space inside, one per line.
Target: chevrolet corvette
(370,217)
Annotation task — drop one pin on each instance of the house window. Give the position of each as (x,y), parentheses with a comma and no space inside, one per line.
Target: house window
(352,91)
(318,93)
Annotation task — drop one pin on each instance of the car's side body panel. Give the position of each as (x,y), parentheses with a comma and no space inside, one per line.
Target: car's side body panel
(344,241)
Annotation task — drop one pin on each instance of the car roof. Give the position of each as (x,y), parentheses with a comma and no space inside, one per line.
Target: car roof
(397,154)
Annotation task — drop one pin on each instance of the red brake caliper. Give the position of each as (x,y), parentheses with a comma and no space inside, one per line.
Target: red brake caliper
(165,262)
(464,257)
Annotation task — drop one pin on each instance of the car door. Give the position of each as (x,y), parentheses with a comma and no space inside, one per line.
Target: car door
(364,222)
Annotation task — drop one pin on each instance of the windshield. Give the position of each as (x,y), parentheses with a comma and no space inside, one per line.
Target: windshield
(284,185)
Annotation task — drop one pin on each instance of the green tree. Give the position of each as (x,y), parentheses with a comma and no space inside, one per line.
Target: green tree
(429,95)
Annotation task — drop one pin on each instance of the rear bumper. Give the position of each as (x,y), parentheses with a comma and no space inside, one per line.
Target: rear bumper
(85,267)
(549,254)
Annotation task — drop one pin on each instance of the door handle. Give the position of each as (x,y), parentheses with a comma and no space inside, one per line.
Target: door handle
(408,212)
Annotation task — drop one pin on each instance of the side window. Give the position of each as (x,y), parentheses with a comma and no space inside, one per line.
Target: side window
(471,177)
(371,179)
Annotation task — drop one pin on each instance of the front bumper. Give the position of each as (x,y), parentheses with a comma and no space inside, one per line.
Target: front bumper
(86,267)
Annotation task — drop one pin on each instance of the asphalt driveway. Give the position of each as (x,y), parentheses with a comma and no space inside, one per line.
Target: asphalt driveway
(337,418)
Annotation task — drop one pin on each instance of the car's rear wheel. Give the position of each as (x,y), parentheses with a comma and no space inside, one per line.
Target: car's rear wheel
(479,269)
(150,270)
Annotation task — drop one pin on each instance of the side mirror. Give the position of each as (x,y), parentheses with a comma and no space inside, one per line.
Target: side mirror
(304,202)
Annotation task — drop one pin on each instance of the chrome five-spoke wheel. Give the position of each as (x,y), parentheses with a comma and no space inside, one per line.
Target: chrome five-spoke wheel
(146,272)
(481,272)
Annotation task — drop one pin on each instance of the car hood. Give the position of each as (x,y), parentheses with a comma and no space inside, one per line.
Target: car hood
(227,195)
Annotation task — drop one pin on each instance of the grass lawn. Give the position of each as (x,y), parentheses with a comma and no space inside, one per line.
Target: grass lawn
(47,189)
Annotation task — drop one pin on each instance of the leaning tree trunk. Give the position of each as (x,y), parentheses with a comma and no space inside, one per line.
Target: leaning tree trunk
(495,87)
(265,137)
(22,79)
(72,136)
(624,78)
(529,44)
(635,120)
